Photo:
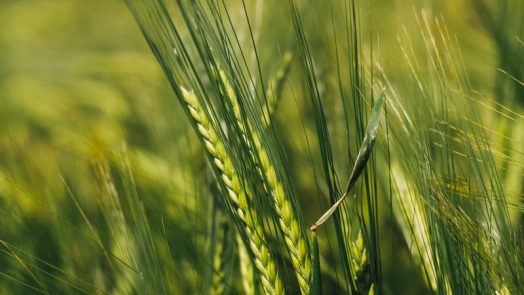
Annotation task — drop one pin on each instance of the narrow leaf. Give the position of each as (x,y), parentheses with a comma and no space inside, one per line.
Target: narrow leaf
(362,158)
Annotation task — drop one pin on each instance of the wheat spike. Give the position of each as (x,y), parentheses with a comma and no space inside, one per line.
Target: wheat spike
(360,265)
(274,89)
(219,260)
(288,222)
(246,268)
(240,201)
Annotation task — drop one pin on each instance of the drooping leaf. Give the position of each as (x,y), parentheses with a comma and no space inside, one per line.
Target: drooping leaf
(362,158)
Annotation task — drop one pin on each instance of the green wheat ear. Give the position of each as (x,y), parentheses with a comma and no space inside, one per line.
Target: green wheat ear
(292,230)
(123,246)
(241,204)
(360,264)
(275,87)
(246,268)
(221,253)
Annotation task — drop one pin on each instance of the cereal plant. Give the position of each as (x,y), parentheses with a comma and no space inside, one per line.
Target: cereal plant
(262,147)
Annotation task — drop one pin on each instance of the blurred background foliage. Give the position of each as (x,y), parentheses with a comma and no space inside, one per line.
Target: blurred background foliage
(103,185)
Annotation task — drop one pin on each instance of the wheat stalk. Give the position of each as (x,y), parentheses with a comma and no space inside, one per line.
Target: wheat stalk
(240,201)
(288,222)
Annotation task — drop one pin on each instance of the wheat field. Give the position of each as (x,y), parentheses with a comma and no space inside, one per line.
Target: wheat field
(262,147)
